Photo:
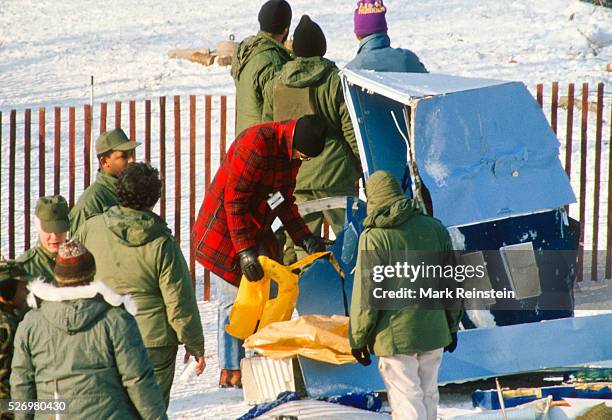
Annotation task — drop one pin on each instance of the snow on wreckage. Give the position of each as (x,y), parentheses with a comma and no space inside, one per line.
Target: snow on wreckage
(480,156)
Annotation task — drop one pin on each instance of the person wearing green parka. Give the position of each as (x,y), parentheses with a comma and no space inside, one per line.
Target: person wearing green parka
(137,255)
(409,342)
(52,224)
(79,343)
(258,59)
(114,151)
(310,84)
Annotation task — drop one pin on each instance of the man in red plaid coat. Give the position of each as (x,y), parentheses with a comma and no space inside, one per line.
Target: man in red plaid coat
(253,186)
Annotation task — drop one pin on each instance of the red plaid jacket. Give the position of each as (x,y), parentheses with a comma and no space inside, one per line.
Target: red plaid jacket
(235,214)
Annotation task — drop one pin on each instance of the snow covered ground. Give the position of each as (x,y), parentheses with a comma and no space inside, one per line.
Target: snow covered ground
(50,48)
(200,398)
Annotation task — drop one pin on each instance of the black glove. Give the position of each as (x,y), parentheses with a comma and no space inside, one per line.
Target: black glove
(313,244)
(453,344)
(362,355)
(249,264)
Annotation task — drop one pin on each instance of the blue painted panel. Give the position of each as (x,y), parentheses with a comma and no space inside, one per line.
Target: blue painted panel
(488,153)
(384,147)
(485,353)
(320,291)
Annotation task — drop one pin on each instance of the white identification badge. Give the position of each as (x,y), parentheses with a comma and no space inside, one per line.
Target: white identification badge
(276,224)
(275,200)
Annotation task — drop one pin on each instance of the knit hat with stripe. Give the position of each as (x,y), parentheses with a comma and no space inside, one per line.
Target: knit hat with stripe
(75,266)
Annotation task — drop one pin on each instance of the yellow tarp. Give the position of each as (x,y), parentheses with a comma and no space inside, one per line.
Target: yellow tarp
(253,310)
(317,337)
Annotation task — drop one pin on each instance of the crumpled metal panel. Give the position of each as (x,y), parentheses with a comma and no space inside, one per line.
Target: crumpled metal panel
(483,147)
(488,154)
(489,352)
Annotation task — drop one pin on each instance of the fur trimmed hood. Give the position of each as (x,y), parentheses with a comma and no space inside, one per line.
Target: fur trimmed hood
(50,293)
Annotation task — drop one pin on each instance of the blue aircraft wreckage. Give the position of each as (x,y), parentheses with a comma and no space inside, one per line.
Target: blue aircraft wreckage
(479,155)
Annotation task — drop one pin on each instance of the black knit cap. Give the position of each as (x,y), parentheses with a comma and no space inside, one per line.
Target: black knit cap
(274,16)
(309,135)
(309,39)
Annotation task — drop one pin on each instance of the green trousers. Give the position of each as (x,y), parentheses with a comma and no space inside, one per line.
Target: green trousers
(314,221)
(163,360)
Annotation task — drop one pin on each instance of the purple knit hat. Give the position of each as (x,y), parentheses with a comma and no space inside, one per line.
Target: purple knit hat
(370,17)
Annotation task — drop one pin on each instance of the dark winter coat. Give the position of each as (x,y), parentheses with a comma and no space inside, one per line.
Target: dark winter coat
(375,53)
(397,225)
(257,59)
(9,319)
(136,254)
(39,262)
(235,214)
(98,196)
(337,168)
(82,341)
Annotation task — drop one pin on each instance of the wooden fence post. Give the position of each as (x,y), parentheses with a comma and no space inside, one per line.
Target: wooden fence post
(609,224)
(569,125)
(71,155)
(554,106)
(148,130)
(223,129)
(42,134)
(56,150)
(27,149)
(207,172)
(87,146)
(192,184)
(583,179)
(117,114)
(177,168)
(540,94)
(103,111)
(597,179)
(132,118)
(162,155)
(11,203)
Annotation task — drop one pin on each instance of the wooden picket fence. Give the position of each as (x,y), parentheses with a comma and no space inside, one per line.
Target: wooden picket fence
(586,105)
(168,146)
(82,159)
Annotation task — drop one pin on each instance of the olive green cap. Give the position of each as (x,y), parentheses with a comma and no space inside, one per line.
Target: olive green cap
(114,140)
(12,270)
(52,211)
